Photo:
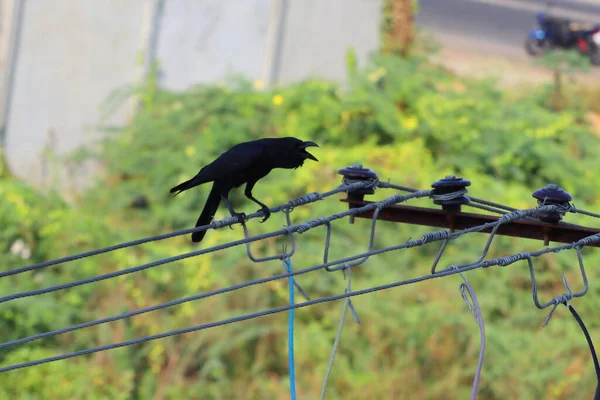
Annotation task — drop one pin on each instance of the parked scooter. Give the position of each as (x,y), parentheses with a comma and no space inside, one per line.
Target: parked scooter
(558,32)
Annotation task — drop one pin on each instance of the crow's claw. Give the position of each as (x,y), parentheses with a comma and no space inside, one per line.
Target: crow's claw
(241,218)
(266,212)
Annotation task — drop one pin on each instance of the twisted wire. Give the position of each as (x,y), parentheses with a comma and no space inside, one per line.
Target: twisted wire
(305,199)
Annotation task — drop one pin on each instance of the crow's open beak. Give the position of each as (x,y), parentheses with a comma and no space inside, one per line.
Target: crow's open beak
(309,144)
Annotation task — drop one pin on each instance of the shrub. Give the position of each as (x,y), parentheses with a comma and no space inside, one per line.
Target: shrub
(406,119)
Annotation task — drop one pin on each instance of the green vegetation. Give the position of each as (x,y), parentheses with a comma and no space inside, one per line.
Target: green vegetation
(406,119)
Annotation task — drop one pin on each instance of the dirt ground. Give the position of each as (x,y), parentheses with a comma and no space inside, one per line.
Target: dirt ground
(510,71)
(511,67)
(595,121)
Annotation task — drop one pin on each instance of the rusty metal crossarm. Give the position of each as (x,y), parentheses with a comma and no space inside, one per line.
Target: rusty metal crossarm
(455,220)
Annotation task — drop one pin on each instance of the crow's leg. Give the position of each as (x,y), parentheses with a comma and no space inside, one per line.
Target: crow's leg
(241,217)
(263,208)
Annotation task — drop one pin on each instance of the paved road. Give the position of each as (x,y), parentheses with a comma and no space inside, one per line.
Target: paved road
(495,26)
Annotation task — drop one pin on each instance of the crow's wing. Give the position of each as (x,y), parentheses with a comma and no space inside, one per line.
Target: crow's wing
(233,162)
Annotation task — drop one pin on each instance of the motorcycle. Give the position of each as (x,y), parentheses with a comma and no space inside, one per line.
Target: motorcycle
(557,32)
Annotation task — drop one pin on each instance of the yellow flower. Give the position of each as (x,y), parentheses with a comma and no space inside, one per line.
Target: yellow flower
(277,99)
(410,123)
(345,117)
(258,84)
(190,151)
(377,74)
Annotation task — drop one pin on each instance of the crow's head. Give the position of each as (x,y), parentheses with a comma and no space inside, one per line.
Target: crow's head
(298,151)
(302,152)
(292,152)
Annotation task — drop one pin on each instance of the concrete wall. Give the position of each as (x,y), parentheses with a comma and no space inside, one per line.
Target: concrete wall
(318,34)
(71,55)
(203,41)
(60,60)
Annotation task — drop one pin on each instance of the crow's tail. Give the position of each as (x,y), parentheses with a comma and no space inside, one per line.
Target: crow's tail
(195,181)
(208,212)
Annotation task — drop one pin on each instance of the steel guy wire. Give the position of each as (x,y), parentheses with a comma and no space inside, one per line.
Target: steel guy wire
(385,185)
(569,295)
(348,267)
(212,324)
(445,234)
(482,204)
(453,269)
(485,205)
(336,342)
(563,298)
(277,256)
(440,235)
(305,199)
(510,259)
(466,288)
(426,238)
(475,202)
(285,255)
(504,219)
(583,212)
(590,345)
(486,208)
(347,185)
(298,228)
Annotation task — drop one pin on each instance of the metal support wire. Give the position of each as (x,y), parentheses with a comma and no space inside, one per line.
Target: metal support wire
(475,202)
(447,235)
(427,238)
(344,264)
(480,203)
(302,200)
(298,228)
(505,219)
(292,371)
(471,301)
(591,346)
(583,212)
(569,295)
(338,336)
(285,254)
(454,269)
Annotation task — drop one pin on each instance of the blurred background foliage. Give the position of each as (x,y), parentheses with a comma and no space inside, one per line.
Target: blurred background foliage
(405,118)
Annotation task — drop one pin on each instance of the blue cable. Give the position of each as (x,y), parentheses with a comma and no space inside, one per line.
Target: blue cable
(292,373)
